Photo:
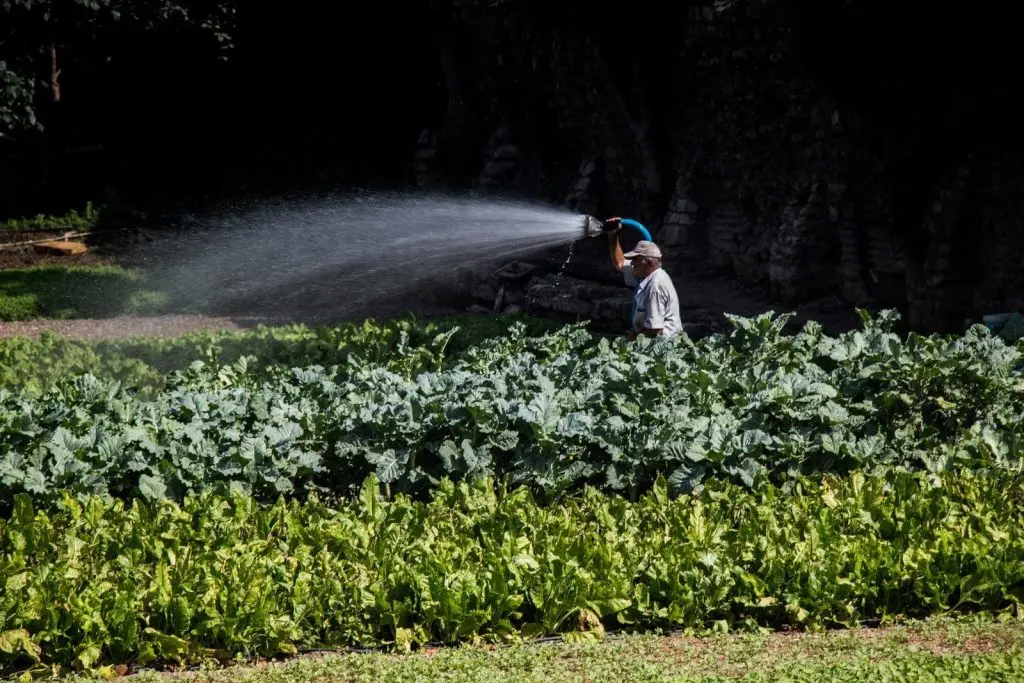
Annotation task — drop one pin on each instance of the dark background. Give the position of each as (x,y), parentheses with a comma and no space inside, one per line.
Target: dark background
(312,94)
(322,94)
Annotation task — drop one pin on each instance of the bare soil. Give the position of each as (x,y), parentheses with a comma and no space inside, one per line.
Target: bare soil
(24,256)
(704,297)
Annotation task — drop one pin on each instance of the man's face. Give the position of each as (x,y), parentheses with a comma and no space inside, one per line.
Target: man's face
(643,266)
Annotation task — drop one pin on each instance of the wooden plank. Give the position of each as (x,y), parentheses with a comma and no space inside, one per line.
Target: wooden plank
(59,248)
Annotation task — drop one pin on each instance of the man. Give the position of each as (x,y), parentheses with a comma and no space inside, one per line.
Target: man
(655,302)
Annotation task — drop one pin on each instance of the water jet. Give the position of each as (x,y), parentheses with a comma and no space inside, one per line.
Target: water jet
(349,256)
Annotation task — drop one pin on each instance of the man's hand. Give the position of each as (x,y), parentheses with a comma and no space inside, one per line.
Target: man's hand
(613,226)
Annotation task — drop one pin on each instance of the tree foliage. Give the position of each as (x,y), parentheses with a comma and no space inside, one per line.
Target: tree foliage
(37,34)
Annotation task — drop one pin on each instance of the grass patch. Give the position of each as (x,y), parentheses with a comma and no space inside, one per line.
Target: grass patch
(970,649)
(61,292)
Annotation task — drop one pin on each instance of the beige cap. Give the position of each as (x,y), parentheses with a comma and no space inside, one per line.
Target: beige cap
(644,248)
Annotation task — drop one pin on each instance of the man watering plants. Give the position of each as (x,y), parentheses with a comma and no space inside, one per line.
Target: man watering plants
(655,302)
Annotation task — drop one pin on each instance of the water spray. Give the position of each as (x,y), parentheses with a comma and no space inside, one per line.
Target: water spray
(345,256)
(354,255)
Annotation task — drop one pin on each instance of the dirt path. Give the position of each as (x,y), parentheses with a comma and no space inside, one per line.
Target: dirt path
(125,326)
(173,325)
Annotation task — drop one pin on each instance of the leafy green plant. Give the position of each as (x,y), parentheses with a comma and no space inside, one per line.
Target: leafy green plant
(73,220)
(96,581)
(553,412)
(408,346)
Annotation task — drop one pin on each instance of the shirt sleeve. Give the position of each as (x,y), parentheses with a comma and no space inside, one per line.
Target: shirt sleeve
(657,307)
(627,274)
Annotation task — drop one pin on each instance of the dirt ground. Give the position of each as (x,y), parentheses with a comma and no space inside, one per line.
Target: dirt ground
(704,297)
(14,256)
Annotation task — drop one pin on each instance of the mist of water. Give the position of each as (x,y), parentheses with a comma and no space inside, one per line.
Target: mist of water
(332,257)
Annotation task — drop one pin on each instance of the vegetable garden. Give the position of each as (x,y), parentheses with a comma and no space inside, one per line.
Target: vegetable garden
(236,494)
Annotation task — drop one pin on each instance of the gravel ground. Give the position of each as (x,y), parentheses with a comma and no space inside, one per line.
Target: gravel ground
(126,326)
(123,327)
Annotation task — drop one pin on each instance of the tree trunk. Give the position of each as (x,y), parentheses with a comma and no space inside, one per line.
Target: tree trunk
(55,180)
(54,74)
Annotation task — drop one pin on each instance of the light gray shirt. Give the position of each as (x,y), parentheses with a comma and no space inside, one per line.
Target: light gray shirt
(655,302)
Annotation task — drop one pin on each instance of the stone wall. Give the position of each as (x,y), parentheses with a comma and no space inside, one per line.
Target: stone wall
(770,153)
(426,172)
(683,227)
(1001,205)
(584,194)
(503,165)
(774,181)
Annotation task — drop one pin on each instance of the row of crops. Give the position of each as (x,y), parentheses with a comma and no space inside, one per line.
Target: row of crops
(234,494)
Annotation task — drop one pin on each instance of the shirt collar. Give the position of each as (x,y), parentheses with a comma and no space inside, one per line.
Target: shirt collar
(646,280)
